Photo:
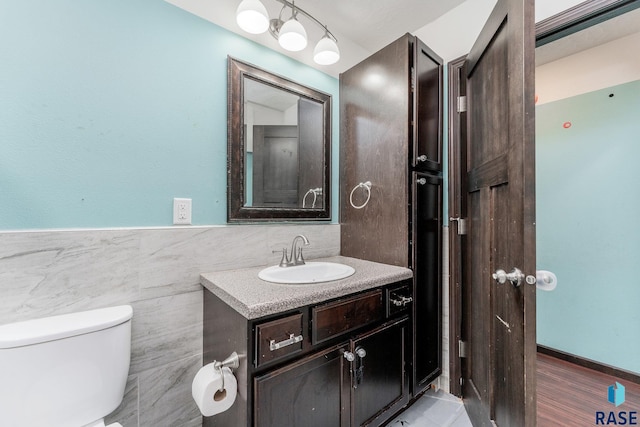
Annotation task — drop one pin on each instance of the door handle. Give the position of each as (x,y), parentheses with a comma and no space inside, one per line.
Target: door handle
(516,277)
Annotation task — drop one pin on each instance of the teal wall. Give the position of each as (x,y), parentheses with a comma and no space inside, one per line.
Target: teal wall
(588,233)
(110,109)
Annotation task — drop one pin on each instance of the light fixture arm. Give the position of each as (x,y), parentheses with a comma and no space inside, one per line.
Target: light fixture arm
(297,9)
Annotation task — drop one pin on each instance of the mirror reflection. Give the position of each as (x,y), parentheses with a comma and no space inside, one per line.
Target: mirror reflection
(283,148)
(279,147)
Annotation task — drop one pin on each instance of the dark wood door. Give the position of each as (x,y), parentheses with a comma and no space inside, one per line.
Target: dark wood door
(426,264)
(311,393)
(275,166)
(427,139)
(499,319)
(311,153)
(379,380)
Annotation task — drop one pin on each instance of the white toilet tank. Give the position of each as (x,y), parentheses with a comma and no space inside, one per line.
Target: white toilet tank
(64,371)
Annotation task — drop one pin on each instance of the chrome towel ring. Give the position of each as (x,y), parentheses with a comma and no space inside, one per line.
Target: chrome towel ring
(367,187)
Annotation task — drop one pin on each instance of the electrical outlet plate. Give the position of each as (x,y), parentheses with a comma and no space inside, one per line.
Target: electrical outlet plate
(181,211)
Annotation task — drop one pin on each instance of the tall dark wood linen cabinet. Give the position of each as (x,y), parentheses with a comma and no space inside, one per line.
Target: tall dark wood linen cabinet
(391,180)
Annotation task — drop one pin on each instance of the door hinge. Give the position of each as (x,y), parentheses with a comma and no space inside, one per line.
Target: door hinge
(462,348)
(413,79)
(462,104)
(462,225)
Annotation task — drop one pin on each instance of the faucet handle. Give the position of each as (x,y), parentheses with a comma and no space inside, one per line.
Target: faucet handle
(284,261)
(299,257)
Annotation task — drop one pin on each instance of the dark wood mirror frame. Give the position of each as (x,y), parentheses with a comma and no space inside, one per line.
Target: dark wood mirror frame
(236,209)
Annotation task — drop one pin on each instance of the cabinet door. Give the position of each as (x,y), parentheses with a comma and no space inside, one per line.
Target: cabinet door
(427,138)
(379,382)
(311,393)
(427,219)
(374,146)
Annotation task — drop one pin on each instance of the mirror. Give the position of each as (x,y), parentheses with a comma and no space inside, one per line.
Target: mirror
(279,147)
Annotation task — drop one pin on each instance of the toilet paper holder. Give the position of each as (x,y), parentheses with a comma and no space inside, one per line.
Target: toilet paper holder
(231,362)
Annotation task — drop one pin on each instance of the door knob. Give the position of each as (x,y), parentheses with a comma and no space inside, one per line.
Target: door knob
(515,277)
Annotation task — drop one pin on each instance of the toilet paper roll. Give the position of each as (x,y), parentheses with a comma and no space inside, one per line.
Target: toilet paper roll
(208,393)
(546,280)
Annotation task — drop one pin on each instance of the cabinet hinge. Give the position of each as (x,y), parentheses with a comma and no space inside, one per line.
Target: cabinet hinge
(462,104)
(462,348)
(462,225)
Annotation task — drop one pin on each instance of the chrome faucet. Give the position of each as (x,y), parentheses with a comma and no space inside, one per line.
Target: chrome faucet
(296,253)
(296,257)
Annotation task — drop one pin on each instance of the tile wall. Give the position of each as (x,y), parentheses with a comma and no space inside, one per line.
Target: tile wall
(44,273)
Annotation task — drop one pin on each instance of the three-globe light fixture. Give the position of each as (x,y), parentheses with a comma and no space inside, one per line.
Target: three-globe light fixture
(252,17)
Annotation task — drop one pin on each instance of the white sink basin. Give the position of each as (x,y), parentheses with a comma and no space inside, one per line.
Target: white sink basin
(311,272)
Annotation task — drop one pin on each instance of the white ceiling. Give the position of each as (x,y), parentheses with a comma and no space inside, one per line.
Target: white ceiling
(362,27)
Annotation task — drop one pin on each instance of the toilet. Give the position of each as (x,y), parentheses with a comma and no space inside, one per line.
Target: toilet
(65,371)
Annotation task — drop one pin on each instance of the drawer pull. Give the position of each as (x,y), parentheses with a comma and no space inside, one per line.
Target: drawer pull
(400,302)
(293,339)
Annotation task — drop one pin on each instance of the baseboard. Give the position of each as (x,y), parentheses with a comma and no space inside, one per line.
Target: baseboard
(591,364)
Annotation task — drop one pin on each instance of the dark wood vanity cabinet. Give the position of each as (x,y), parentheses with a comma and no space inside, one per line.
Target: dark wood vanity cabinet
(391,136)
(378,377)
(310,392)
(361,382)
(339,363)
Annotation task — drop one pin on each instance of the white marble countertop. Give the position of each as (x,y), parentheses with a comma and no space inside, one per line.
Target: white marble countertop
(253,297)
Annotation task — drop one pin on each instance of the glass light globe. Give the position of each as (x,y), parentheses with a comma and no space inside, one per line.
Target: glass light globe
(326,52)
(292,36)
(252,16)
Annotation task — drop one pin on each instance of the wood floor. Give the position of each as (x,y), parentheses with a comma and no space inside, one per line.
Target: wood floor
(570,395)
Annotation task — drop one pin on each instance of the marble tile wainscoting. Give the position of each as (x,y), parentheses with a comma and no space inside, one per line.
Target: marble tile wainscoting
(443,381)
(44,273)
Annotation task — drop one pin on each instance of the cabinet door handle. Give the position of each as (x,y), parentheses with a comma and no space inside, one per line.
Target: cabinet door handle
(422,158)
(293,339)
(359,370)
(400,300)
(349,356)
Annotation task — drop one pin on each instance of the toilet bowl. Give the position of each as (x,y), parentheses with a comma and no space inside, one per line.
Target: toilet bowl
(65,371)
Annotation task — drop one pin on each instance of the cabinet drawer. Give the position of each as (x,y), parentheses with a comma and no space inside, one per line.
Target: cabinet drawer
(278,338)
(336,318)
(399,299)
